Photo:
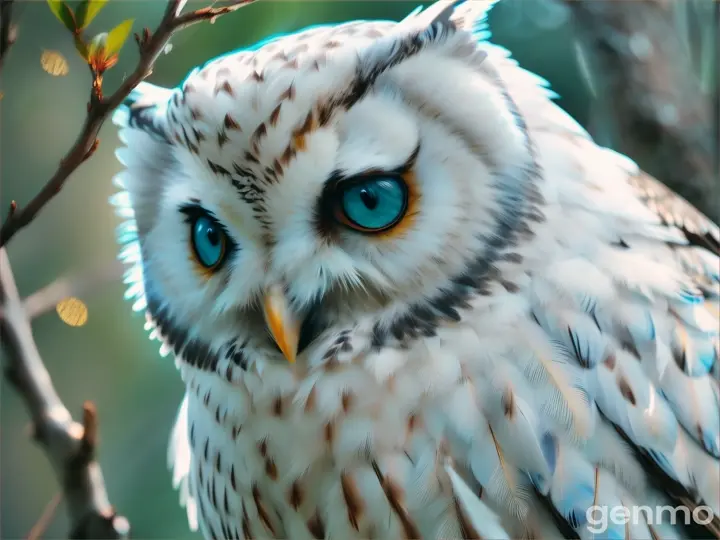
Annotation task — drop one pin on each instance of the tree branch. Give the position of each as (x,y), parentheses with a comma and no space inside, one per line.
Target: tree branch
(649,96)
(69,446)
(99,108)
(71,285)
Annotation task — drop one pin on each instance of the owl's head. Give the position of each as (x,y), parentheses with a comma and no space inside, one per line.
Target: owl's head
(360,174)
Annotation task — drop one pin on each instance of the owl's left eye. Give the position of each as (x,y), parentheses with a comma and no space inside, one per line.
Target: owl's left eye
(373,203)
(209,242)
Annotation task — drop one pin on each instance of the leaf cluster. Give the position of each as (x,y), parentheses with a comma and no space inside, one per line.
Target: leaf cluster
(100,52)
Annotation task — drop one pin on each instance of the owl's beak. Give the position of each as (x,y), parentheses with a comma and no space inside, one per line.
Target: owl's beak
(281,322)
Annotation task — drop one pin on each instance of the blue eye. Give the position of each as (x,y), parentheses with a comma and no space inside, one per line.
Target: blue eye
(209,242)
(373,204)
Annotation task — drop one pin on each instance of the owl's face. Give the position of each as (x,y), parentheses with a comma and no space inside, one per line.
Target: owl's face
(338,175)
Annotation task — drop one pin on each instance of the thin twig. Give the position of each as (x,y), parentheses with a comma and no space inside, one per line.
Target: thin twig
(71,285)
(151,47)
(69,446)
(46,518)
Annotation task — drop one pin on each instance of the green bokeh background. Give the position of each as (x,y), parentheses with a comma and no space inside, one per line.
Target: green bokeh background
(110,360)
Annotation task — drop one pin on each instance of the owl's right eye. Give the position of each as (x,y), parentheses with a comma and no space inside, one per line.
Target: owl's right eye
(209,242)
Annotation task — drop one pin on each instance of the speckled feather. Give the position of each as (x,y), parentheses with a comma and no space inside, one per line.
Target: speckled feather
(542,337)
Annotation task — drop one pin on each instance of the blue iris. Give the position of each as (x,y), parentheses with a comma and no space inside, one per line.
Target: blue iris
(209,241)
(375,203)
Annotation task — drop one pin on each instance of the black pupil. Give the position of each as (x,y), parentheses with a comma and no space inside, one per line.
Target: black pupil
(213,236)
(369,198)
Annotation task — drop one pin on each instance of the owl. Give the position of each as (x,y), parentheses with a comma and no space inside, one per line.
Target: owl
(410,297)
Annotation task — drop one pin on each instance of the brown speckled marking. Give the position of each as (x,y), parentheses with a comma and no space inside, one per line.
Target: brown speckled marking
(199,135)
(466,527)
(508,403)
(287,155)
(211,492)
(393,493)
(291,64)
(262,448)
(300,133)
(610,361)
(509,286)
(329,433)
(271,469)
(257,76)
(233,481)
(347,400)
(226,503)
(514,258)
(262,512)
(316,526)
(275,115)
(295,495)
(230,123)
(247,532)
(258,134)
(412,423)
(288,94)
(224,87)
(277,408)
(625,389)
(353,500)
(280,55)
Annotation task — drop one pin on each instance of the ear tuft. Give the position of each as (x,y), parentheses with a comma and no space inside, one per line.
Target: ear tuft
(145,110)
(471,15)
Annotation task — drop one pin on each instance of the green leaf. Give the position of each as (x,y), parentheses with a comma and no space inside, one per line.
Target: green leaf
(117,36)
(81,48)
(87,10)
(63,13)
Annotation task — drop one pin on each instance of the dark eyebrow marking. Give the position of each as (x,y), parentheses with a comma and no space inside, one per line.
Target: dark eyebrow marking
(338,175)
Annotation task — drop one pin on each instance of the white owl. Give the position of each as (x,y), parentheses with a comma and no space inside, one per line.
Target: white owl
(410,297)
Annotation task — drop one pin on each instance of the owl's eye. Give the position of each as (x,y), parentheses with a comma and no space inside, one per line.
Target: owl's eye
(209,242)
(371,204)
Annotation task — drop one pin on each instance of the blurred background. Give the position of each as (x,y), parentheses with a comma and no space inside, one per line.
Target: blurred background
(110,360)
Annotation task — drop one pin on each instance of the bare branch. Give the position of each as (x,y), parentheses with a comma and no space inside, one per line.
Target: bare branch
(69,446)
(46,518)
(151,46)
(651,97)
(71,285)
(208,13)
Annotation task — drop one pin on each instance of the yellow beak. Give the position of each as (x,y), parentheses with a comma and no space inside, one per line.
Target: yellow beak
(282,323)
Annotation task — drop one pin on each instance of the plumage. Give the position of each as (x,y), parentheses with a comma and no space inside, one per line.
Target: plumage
(531,332)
